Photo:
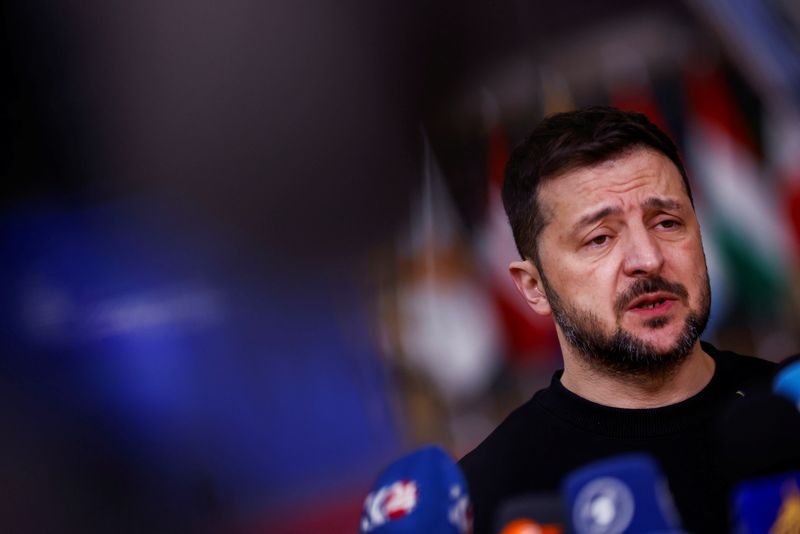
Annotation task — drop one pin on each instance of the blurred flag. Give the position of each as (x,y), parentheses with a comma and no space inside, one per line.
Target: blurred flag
(529,336)
(754,238)
(448,326)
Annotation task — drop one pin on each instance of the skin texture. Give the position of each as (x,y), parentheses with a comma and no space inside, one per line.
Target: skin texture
(620,234)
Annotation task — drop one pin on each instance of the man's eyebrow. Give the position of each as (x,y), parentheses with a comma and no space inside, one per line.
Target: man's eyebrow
(658,203)
(595,216)
(652,203)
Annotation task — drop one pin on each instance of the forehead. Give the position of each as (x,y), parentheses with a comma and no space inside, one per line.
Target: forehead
(624,182)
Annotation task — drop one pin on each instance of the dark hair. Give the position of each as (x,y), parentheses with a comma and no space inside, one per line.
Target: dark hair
(567,141)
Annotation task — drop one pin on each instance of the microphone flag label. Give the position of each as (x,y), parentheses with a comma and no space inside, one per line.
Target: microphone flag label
(391,502)
(424,491)
(604,506)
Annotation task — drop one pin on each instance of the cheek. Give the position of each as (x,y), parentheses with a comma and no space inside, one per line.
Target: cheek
(688,266)
(592,289)
(690,263)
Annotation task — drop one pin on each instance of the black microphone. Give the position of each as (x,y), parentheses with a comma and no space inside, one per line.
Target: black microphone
(757,449)
(759,435)
(541,513)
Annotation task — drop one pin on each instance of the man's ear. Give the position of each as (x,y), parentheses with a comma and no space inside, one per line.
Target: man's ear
(529,283)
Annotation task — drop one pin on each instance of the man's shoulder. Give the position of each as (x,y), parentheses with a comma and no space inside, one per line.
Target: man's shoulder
(510,435)
(512,460)
(739,365)
(515,442)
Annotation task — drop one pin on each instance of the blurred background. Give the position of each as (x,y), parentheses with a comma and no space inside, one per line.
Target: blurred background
(252,252)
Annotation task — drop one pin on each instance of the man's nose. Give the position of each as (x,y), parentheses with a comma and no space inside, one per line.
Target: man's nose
(643,254)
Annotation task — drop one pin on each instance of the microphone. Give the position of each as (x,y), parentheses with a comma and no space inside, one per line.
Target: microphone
(759,435)
(787,380)
(768,505)
(626,493)
(535,513)
(758,454)
(424,491)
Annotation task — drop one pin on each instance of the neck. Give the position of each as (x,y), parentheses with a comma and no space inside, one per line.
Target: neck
(690,376)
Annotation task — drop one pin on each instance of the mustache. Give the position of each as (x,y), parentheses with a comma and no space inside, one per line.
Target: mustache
(644,286)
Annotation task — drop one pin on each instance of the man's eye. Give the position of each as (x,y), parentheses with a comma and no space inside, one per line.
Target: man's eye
(669,223)
(599,240)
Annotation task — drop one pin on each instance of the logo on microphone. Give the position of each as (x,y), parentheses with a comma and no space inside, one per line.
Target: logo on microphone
(460,512)
(603,506)
(388,503)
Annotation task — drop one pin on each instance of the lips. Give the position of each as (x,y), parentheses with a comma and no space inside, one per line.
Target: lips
(652,301)
(650,297)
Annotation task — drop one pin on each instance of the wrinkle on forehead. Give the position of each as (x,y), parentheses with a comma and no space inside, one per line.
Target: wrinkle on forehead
(646,170)
(623,176)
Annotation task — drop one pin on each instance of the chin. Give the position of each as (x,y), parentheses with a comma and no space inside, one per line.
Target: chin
(665,347)
(661,340)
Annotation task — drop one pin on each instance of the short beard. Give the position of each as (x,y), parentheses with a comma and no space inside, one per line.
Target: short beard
(621,354)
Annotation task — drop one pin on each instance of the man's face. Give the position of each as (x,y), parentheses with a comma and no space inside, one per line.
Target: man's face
(622,264)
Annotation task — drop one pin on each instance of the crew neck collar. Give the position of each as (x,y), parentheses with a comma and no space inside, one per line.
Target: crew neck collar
(632,422)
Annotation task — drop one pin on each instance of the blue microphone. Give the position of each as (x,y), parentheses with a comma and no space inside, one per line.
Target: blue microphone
(771,503)
(422,492)
(626,493)
(767,505)
(787,381)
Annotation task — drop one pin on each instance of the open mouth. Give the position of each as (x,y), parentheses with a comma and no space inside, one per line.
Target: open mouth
(654,301)
(650,305)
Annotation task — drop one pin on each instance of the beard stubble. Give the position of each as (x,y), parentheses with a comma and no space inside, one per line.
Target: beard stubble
(622,354)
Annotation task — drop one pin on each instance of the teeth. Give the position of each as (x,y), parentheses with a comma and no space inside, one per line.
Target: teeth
(651,305)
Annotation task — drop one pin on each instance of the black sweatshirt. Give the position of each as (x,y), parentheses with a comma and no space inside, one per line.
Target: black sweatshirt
(557,431)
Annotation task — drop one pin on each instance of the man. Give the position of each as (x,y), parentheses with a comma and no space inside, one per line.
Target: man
(603,217)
